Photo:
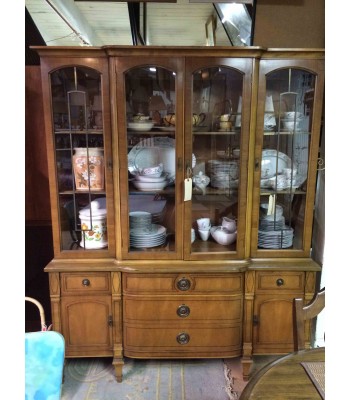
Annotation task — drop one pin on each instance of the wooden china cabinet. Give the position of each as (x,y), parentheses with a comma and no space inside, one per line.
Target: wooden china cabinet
(146,143)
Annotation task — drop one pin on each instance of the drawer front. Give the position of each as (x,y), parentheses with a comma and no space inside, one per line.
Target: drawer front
(85,283)
(280,281)
(157,340)
(182,308)
(183,283)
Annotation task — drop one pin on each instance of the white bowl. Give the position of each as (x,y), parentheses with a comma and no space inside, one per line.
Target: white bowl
(290,124)
(155,171)
(141,125)
(151,178)
(292,114)
(150,186)
(222,236)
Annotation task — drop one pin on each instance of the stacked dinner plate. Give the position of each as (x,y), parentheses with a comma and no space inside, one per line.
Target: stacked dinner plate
(155,237)
(273,233)
(143,233)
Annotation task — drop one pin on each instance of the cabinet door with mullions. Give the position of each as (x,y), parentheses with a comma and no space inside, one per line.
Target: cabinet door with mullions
(78,141)
(288,128)
(150,140)
(217,124)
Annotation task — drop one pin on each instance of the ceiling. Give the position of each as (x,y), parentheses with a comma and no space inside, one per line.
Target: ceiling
(99,23)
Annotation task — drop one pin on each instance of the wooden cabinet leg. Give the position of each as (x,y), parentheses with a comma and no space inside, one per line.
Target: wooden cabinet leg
(246,365)
(118,365)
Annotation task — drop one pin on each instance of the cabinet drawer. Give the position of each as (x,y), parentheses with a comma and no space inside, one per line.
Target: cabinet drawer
(280,281)
(183,283)
(220,309)
(85,283)
(183,341)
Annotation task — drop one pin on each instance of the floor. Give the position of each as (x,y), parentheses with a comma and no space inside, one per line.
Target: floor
(234,372)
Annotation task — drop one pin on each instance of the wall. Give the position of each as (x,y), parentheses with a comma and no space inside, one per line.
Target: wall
(294,23)
(38,233)
(37,196)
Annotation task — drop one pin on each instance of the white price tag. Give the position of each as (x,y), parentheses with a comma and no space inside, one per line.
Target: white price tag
(188,189)
(271,206)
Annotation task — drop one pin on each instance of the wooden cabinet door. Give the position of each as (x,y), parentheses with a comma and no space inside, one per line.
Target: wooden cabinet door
(87,325)
(273,324)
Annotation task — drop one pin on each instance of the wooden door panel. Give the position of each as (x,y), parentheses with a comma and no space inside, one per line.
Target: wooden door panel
(85,323)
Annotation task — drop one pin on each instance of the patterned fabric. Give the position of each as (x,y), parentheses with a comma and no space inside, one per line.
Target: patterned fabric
(44,361)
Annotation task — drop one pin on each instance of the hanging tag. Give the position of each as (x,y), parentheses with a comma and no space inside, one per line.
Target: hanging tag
(188,189)
(270,206)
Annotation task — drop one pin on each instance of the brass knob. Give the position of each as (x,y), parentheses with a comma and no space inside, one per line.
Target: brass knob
(86,282)
(183,338)
(280,282)
(183,284)
(183,311)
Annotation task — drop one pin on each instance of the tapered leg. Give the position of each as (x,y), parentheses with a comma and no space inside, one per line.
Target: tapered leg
(118,365)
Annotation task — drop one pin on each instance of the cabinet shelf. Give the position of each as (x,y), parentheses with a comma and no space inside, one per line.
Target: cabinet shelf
(199,133)
(273,133)
(266,192)
(79,131)
(77,192)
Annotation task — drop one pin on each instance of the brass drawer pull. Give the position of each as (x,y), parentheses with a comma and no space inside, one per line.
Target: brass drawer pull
(183,284)
(280,282)
(183,338)
(183,311)
(85,282)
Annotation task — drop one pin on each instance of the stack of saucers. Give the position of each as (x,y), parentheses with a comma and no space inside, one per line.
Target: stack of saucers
(273,232)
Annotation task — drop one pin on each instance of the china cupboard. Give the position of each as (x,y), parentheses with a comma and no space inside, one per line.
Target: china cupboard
(182,184)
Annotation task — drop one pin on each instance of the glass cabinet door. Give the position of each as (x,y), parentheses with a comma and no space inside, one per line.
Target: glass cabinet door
(150,132)
(80,159)
(217,111)
(287,148)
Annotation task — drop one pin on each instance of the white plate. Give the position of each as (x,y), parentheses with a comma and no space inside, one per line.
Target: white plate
(157,230)
(273,162)
(153,151)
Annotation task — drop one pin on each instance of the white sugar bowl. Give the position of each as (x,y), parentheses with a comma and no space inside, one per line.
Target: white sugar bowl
(201,181)
(222,235)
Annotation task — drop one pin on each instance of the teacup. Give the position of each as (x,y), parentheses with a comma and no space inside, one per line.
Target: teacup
(225,117)
(193,235)
(203,223)
(204,234)
(197,119)
(229,224)
(225,125)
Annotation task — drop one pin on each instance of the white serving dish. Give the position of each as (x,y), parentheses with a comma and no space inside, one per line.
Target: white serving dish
(269,164)
(222,235)
(141,125)
(151,178)
(150,186)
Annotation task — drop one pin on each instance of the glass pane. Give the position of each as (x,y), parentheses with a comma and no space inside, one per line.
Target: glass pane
(78,141)
(216,130)
(285,157)
(151,121)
